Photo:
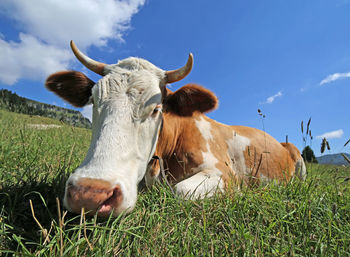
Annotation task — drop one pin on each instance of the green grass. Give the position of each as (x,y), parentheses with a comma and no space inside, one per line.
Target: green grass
(310,218)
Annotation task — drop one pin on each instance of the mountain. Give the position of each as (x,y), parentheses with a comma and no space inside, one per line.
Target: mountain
(12,102)
(334,159)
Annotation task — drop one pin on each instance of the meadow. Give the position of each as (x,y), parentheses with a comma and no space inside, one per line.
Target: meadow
(301,218)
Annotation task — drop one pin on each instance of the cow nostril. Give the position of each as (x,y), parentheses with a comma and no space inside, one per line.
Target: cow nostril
(117,191)
(115,199)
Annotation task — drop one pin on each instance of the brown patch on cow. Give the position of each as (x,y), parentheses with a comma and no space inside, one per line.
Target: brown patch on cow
(180,146)
(265,155)
(294,152)
(97,184)
(72,86)
(189,99)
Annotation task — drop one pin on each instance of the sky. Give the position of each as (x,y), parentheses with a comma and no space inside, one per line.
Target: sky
(290,59)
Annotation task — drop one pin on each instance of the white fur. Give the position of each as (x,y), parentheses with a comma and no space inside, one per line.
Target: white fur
(124,131)
(205,128)
(209,160)
(207,180)
(236,147)
(300,169)
(203,184)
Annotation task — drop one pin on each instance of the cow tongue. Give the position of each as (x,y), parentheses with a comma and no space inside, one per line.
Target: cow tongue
(105,208)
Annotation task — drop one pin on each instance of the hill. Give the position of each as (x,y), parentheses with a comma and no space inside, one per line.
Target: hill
(334,159)
(12,102)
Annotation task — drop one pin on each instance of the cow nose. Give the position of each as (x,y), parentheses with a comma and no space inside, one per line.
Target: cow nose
(94,195)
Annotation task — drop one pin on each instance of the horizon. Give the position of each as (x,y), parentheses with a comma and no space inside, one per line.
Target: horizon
(79,110)
(290,60)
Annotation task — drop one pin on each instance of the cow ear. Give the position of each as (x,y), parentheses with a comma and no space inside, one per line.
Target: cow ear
(189,99)
(72,86)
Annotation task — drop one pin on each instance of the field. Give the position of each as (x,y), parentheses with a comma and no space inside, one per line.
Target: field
(310,218)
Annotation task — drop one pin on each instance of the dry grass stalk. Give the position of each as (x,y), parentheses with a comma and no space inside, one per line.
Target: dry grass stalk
(258,167)
(253,179)
(346,142)
(80,226)
(85,235)
(60,222)
(43,230)
(47,239)
(116,250)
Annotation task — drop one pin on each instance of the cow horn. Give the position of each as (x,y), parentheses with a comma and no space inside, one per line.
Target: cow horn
(89,63)
(176,75)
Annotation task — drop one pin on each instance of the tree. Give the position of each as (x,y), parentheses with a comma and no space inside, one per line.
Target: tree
(308,155)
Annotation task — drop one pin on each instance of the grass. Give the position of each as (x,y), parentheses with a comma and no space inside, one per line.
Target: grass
(310,218)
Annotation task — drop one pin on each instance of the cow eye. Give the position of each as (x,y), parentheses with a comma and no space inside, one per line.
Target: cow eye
(157,110)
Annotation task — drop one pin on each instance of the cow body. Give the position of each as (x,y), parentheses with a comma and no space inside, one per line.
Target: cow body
(136,117)
(202,156)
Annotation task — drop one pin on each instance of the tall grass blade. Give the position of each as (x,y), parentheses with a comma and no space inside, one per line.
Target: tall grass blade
(346,158)
(302,127)
(308,126)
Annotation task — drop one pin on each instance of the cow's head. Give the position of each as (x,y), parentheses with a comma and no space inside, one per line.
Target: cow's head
(127,117)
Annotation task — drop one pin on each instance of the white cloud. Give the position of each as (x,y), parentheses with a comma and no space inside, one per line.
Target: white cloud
(271,99)
(87,111)
(30,58)
(332,134)
(334,77)
(47,27)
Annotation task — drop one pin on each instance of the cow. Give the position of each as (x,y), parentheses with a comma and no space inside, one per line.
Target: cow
(137,118)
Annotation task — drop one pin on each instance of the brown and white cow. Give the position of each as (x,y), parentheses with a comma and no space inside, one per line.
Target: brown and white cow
(136,117)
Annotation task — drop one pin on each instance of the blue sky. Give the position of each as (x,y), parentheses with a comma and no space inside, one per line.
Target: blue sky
(291,59)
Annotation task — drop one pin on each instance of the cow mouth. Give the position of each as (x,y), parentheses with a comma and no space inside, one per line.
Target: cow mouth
(111,203)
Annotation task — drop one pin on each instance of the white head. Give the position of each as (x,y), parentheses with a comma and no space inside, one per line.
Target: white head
(127,106)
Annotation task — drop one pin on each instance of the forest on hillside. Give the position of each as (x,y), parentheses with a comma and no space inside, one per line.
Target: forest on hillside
(12,102)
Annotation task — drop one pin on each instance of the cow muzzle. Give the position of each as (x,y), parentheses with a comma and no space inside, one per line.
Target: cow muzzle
(94,195)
